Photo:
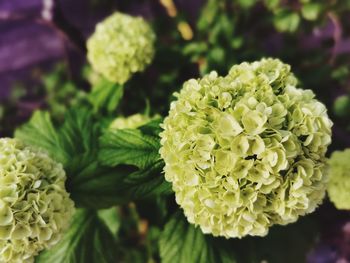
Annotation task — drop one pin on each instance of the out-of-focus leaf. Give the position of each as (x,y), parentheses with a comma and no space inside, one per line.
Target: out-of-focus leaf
(311,11)
(217,55)
(341,106)
(237,42)
(341,73)
(286,21)
(247,3)
(88,240)
(111,218)
(272,4)
(181,242)
(105,96)
(208,14)
(195,48)
(290,243)
(287,244)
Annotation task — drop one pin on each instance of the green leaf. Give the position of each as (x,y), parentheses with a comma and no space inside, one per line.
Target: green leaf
(40,132)
(288,244)
(152,128)
(111,218)
(286,21)
(68,143)
(195,48)
(341,106)
(147,182)
(311,11)
(272,4)
(119,185)
(208,14)
(181,242)
(247,3)
(100,187)
(78,134)
(92,185)
(105,96)
(88,240)
(128,146)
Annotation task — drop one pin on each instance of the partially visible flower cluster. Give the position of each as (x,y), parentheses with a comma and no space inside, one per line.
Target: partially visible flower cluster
(34,206)
(246,151)
(121,46)
(131,122)
(339,182)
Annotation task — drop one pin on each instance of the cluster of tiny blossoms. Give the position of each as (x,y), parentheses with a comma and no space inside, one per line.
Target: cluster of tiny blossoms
(339,182)
(34,206)
(131,122)
(247,150)
(120,46)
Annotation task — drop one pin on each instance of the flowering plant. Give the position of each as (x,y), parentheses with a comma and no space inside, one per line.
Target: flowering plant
(200,131)
(247,150)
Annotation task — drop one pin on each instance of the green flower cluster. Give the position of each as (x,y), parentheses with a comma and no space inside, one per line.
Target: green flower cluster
(34,206)
(120,46)
(131,122)
(339,181)
(247,150)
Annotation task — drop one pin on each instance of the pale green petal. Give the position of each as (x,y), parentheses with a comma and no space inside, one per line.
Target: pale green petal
(6,216)
(131,122)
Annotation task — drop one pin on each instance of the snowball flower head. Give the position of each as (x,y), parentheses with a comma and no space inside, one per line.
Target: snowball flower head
(246,151)
(35,207)
(131,122)
(339,181)
(120,46)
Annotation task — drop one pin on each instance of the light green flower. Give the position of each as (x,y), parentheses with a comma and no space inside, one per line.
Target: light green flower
(131,122)
(35,207)
(339,181)
(120,46)
(247,150)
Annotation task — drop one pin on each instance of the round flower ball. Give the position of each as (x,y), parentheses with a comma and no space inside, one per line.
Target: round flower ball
(339,179)
(247,150)
(35,207)
(120,46)
(131,122)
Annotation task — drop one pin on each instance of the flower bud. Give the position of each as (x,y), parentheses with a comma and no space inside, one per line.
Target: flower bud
(35,207)
(247,150)
(339,179)
(131,122)
(120,46)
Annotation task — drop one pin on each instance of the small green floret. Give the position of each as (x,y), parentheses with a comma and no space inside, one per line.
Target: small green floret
(131,122)
(247,150)
(35,207)
(339,182)
(120,46)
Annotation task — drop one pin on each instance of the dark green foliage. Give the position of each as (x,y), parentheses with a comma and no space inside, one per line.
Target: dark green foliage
(88,240)
(181,242)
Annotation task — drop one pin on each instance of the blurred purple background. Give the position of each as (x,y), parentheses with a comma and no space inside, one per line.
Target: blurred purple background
(30,39)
